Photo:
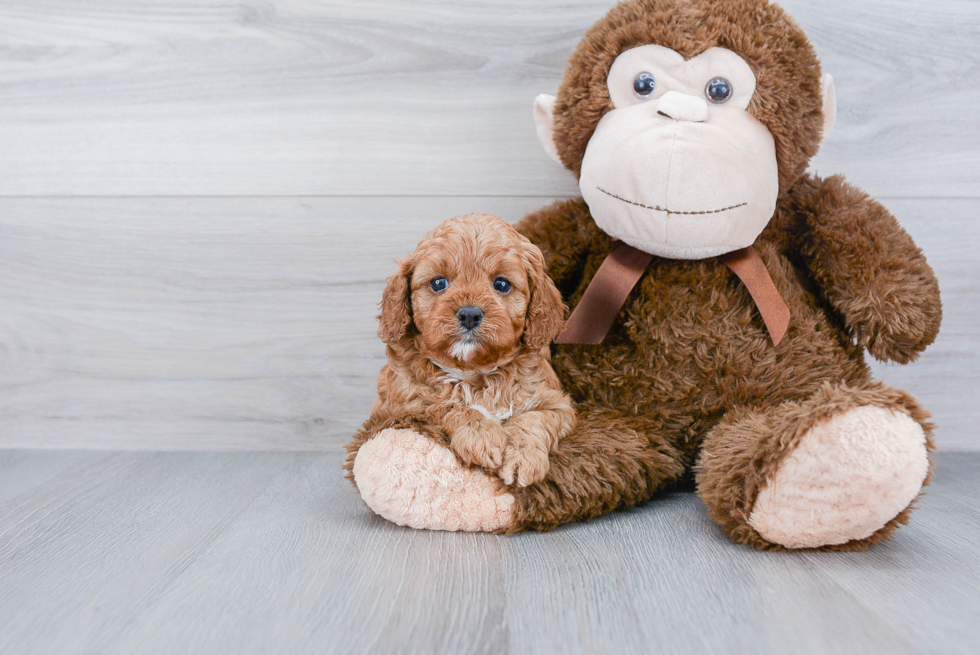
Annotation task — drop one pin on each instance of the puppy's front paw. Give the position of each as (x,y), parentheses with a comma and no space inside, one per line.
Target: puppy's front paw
(524,463)
(480,444)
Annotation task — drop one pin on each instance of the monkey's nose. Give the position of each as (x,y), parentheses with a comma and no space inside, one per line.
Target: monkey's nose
(469,317)
(682,107)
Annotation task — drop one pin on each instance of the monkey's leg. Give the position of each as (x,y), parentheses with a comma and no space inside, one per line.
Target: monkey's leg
(415,480)
(608,462)
(837,471)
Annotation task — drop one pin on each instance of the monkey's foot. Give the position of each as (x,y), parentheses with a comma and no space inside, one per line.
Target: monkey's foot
(413,481)
(847,478)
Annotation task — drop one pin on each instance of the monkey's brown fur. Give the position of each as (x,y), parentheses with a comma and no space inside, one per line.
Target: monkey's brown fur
(688,379)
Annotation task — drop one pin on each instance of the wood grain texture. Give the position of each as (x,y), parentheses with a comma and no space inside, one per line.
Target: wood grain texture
(382,97)
(248,323)
(275,553)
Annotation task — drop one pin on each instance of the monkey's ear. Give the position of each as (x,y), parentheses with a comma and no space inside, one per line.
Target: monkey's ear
(545,318)
(395,319)
(544,121)
(829,105)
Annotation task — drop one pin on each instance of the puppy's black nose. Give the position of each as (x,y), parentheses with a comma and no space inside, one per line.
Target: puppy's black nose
(469,317)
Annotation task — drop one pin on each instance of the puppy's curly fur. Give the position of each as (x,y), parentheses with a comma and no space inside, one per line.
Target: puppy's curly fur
(489,392)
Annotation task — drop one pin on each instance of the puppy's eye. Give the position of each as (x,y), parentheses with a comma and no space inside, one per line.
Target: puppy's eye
(439,284)
(501,284)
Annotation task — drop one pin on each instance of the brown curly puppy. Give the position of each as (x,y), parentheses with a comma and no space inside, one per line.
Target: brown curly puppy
(468,320)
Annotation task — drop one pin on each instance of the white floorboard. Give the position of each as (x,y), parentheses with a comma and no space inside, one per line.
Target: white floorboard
(291,97)
(248,323)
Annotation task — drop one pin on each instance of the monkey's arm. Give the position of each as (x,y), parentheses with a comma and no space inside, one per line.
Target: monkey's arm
(563,231)
(870,269)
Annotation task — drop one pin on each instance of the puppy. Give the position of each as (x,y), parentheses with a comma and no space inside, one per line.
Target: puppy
(468,320)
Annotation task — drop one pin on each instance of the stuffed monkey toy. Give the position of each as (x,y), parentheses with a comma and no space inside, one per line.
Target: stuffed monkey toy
(722,300)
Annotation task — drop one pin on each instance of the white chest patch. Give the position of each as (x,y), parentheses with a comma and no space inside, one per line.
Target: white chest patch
(494,416)
(457,375)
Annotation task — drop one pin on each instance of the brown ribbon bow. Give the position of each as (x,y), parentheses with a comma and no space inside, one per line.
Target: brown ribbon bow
(623,268)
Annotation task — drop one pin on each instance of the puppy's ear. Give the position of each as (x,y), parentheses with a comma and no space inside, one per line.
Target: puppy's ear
(545,311)
(395,319)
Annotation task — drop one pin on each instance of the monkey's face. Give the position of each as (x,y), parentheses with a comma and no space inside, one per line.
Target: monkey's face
(679,168)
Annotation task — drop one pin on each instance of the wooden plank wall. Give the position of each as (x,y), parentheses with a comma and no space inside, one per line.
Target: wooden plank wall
(199,201)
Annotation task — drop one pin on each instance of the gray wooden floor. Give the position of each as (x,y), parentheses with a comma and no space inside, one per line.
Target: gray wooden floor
(123,552)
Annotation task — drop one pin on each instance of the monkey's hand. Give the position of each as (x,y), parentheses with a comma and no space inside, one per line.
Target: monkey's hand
(870,270)
(895,323)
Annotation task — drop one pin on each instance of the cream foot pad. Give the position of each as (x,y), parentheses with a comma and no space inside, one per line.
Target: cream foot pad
(846,479)
(413,481)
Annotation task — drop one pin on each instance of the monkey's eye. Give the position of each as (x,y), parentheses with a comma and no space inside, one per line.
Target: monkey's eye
(501,284)
(644,84)
(718,90)
(439,284)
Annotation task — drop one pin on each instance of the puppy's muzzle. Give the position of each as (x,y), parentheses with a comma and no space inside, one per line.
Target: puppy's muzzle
(469,317)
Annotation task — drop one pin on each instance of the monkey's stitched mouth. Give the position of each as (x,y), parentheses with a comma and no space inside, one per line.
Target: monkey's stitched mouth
(669,211)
